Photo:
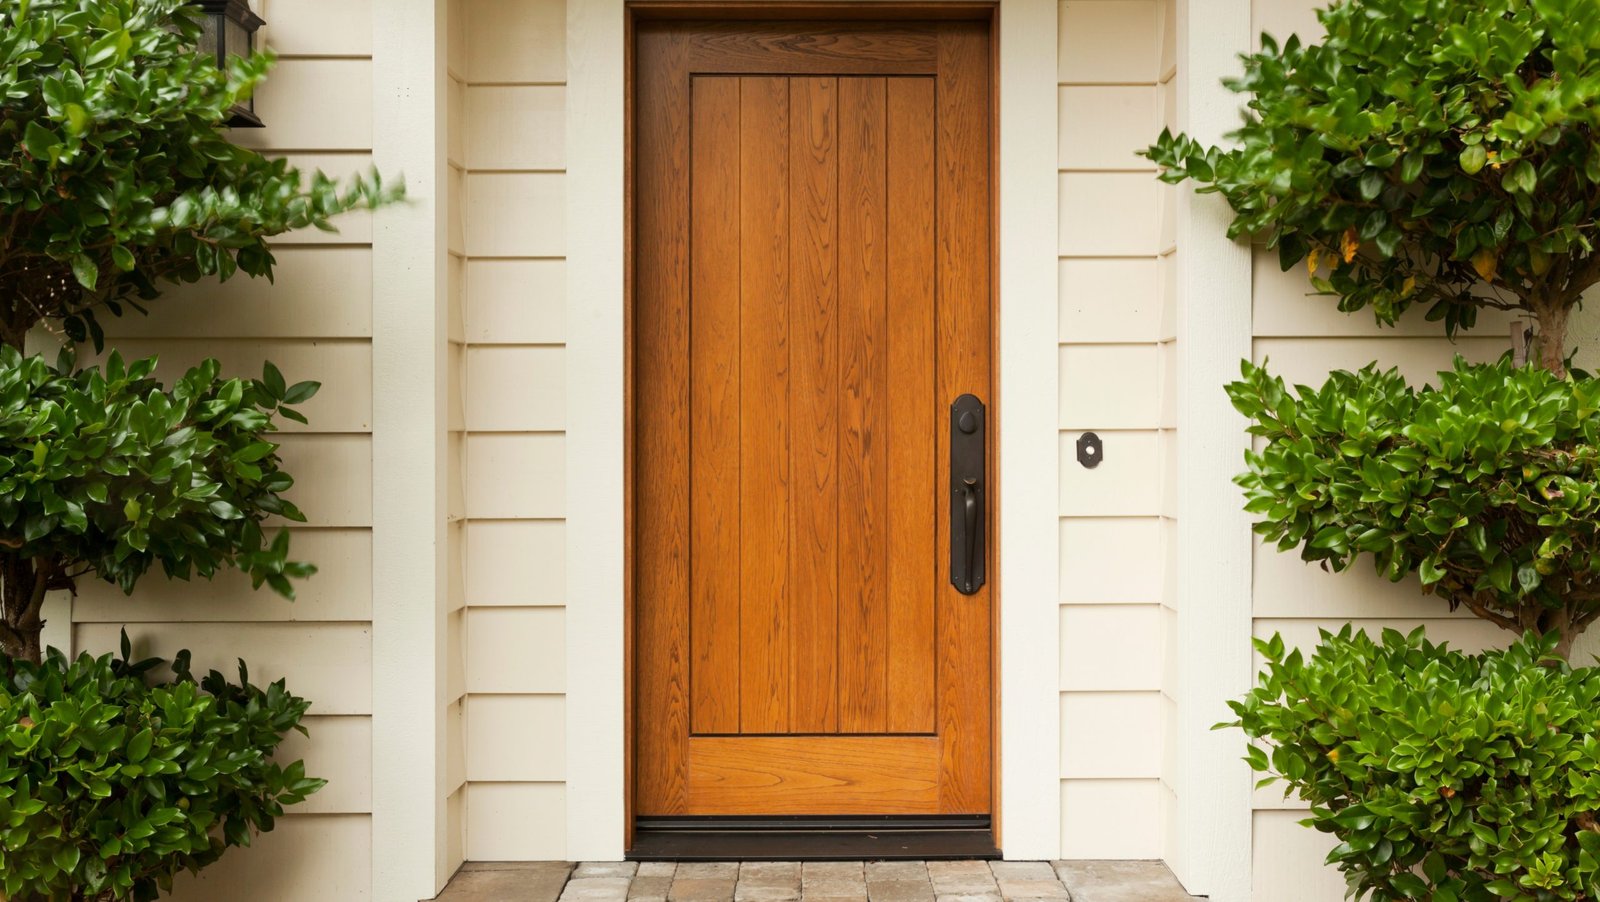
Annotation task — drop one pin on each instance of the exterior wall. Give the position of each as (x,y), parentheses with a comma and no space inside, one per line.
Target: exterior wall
(315,323)
(1118,65)
(508,246)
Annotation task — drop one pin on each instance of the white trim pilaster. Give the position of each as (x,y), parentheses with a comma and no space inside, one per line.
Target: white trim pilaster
(1213,533)
(1030,469)
(409,459)
(596,541)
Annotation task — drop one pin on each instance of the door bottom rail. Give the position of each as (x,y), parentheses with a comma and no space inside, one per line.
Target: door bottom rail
(798,838)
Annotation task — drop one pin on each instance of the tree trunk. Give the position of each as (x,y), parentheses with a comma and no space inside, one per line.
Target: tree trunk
(23,583)
(1552,317)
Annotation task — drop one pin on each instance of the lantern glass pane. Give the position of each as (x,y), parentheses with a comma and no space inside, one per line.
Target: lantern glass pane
(209,37)
(238,39)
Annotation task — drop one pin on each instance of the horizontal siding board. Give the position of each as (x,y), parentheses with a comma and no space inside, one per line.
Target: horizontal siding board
(516,389)
(1111,648)
(328,663)
(1309,360)
(1286,307)
(1110,214)
(517,651)
(1108,42)
(1110,387)
(521,214)
(1287,860)
(1463,633)
(1286,586)
(1111,735)
(338,750)
(319,28)
(1115,819)
(1103,126)
(1110,301)
(313,104)
(307,858)
(516,821)
(516,738)
(333,477)
(518,563)
(455,745)
(516,301)
(516,127)
(515,476)
(1107,560)
(341,589)
(516,42)
(316,292)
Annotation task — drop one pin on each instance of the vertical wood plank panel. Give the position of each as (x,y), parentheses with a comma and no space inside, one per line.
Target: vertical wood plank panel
(764,405)
(813,308)
(963,284)
(714,393)
(863,336)
(913,407)
(661,436)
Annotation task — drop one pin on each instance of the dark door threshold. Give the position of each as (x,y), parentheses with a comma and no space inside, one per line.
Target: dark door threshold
(812,838)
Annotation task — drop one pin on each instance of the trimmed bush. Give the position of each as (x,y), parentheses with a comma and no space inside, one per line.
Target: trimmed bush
(1426,153)
(111,786)
(1486,486)
(1445,776)
(106,472)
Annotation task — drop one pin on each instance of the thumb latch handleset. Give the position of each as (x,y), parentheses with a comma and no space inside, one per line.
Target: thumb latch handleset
(967,502)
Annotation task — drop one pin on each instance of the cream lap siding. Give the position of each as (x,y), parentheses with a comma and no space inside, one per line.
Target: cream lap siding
(508,247)
(315,323)
(1116,60)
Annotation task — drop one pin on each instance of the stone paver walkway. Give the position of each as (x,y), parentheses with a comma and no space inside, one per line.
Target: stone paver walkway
(817,881)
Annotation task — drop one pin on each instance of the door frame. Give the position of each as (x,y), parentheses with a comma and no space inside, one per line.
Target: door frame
(1023,303)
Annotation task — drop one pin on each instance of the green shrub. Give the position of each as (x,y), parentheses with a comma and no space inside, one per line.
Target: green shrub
(114,175)
(1487,486)
(1444,776)
(105,472)
(1431,153)
(111,786)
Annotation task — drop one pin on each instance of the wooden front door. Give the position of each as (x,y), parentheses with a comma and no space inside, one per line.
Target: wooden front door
(812,288)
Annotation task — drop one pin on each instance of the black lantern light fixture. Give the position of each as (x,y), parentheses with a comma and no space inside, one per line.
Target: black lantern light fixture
(230,30)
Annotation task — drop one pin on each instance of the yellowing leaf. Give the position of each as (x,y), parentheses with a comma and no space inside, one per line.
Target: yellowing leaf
(1311,262)
(1539,260)
(1487,263)
(1409,287)
(1349,244)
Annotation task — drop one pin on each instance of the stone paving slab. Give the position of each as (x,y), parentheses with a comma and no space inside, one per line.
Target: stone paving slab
(816,881)
(537,881)
(1120,881)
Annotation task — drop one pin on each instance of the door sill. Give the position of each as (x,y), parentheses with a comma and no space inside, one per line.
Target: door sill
(812,838)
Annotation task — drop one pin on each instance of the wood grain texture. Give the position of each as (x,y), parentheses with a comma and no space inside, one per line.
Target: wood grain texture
(814,775)
(964,250)
(812,48)
(813,401)
(714,392)
(764,655)
(863,414)
(661,439)
(913,403)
